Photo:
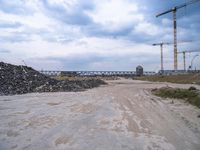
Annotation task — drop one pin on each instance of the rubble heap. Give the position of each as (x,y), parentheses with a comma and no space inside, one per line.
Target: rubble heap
(22,79)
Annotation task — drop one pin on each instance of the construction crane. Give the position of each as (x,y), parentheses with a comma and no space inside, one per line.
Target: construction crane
(161,52)
(174,10)
(184,57)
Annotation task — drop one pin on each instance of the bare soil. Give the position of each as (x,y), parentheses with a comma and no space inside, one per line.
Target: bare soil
(121,115)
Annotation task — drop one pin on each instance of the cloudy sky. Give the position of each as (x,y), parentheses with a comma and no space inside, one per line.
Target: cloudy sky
(95,34)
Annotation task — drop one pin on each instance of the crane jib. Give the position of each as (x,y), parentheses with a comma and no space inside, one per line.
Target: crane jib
(177,7)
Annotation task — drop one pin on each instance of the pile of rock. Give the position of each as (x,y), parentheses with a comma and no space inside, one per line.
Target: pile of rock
(22,79)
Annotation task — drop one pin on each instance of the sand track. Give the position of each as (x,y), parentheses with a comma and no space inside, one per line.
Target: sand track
(120,115)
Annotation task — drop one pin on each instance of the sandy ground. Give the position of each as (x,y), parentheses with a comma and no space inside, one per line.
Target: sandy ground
(121,115)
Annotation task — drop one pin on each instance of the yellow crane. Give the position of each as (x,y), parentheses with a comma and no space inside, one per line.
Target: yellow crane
(184,56)
(174,10)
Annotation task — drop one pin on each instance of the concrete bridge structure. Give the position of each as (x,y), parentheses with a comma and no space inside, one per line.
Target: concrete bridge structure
(94,73)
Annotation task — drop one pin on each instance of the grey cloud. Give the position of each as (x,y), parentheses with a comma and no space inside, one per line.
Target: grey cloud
(113,62)
(15,7)
(10,24)
(15,37)
(4,50)
(76,16)
(98,30)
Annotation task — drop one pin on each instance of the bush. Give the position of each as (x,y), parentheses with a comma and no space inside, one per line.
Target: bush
(191,95)
(192,88)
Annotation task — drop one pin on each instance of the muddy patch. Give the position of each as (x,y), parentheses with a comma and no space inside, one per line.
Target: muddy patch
(12,133)
(83,108)
(47,121)
(145,124)
(22,113)
(53,103)
(14,146)
(64,140)
(132,125)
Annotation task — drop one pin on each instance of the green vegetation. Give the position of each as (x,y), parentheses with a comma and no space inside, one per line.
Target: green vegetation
(183,79)
(191,95)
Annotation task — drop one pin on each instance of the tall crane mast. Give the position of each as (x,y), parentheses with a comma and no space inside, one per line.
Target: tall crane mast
(161,52)
(174,10)
(184,57)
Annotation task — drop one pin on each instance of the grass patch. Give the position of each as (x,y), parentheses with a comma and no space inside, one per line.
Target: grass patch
(183,79)
(190,95)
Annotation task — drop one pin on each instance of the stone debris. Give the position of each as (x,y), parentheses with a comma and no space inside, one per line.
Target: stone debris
(22,79)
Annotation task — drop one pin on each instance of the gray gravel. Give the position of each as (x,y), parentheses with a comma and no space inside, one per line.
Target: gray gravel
(22,79)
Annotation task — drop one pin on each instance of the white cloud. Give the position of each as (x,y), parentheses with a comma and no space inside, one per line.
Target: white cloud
(38,51)
(41,36)
(147,28)
(167,22)
(115,14)
(37,20)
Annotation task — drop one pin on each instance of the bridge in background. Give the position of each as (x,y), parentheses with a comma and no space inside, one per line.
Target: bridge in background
(94,73)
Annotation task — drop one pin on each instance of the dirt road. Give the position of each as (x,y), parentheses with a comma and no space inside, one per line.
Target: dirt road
(120,115)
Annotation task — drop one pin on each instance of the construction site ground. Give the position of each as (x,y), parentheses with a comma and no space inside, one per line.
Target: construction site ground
(191,78)
(121,115)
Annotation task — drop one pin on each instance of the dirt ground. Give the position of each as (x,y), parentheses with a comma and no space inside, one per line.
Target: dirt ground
(121,115)
(193,78)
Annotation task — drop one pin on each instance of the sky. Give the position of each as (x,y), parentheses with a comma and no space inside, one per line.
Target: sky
(114,35)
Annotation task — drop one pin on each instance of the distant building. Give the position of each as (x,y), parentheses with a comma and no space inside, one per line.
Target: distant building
(139,70)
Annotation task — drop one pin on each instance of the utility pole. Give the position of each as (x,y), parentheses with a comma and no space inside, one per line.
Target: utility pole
(184,56)
(174,10)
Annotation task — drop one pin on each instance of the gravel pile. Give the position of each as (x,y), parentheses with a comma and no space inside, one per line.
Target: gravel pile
(22,79)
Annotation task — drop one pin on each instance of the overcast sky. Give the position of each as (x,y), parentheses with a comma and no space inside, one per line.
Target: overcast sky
(95,34)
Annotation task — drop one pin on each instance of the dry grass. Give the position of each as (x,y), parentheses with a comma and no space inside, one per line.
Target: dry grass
(183,79)
(86,78)
(190,95)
